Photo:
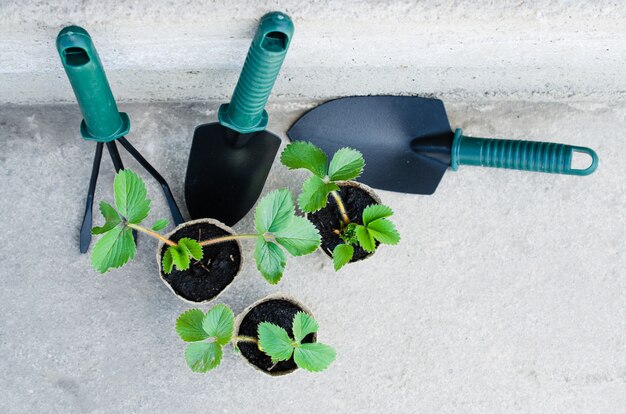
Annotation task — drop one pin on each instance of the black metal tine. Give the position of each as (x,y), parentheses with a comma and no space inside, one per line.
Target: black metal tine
(171,202)
(115,156)
(85,228)
(117,163)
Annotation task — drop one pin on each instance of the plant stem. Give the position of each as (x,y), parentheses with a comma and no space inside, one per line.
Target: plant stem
(243,338)
(202,243)
(251,339)
(341,207)
(151,233)
(228,238)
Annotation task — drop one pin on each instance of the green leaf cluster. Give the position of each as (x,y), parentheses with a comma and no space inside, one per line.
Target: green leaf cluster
(376,227)
(181,254)
(346,164)
(117,245)
(277,343)
(208,333)
(278,226)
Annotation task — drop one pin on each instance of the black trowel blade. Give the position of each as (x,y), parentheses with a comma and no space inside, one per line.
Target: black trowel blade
(406,140)
(227,171)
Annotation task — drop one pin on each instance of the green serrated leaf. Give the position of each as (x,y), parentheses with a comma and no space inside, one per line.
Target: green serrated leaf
(299,237)
(219,323)
(181,254)
(347,164)
(314,357)
(159,224)
(301,154)
(275,341)
(131,196)
(168,262)
(203,356)
(189,326)
(180,257)
(114,249)
(182,249)
(274,211)
(366,241)
(270,260)
(342,254)
(303,325)
(348,234)
(384,231)
(374,212)
(314,195)
(191,247)
(111,217)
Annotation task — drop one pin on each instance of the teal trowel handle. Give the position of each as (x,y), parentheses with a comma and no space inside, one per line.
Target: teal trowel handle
(102,121)
(518,155)
(246,112)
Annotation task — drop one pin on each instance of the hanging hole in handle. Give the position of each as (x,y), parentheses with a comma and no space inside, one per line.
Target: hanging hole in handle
(275,42)
(76,56)
(580,164)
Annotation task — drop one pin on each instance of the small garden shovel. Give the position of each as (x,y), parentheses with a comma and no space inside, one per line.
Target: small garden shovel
(230,159)
(408,143)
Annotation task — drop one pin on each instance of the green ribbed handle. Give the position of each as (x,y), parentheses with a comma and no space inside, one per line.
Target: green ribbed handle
(101,120)
(246,111)
(518,155)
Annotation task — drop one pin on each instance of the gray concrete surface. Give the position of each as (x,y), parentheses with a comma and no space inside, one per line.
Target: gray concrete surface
(171,50)
(506,294)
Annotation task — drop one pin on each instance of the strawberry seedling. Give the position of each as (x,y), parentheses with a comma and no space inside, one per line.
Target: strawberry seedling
(209,332)
(276,224)
(346,165)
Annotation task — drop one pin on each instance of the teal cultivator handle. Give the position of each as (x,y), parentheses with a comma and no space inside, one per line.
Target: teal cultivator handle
(102,121)
(518,155)
(246,112)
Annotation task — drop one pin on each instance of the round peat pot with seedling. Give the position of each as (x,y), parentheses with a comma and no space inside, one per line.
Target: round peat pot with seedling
(276,335)
(257,320)
(201,258)
(209,276)
(349,215)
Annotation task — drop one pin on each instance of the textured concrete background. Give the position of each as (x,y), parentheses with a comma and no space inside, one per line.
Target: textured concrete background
(506,294)
(193,49)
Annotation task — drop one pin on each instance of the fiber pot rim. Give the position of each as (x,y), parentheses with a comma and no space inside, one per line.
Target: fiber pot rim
(211,221)
(244,313)
(369,190)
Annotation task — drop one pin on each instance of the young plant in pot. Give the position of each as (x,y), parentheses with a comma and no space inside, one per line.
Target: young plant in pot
(348,214)
(276,335)
(200,258)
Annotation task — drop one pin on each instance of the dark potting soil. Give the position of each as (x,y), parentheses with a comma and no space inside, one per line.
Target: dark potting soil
(328,219)
(207,278)
(279,312)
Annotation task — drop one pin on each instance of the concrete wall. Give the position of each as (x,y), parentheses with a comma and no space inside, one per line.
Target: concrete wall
(193,50)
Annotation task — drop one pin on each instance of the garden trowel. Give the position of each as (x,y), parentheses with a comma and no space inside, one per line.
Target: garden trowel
(230,159)
(408,144)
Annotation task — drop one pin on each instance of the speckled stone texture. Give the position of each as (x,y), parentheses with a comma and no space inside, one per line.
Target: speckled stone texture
(194,49)
(507,292)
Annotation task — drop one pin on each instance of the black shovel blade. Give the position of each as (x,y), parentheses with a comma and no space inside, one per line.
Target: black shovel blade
(227,171)
(406,140)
